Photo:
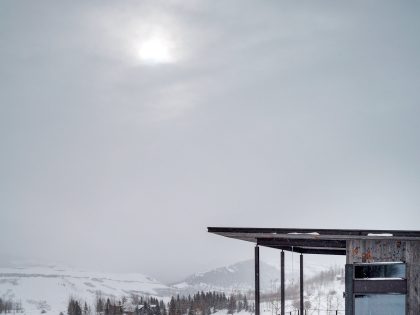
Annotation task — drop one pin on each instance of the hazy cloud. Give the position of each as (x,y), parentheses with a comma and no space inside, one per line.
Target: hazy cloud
(277,114)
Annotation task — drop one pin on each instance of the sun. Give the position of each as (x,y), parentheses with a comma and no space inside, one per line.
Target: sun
(156,50)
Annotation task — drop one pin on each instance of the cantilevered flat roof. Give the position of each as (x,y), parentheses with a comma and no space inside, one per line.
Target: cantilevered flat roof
(310,241)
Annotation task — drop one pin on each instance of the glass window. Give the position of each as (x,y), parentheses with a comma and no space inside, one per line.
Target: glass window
(364,271)
(379,304)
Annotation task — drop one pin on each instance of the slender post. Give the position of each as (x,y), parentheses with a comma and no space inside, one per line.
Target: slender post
(301,283)
(282,282)
(349,308)
(257,280)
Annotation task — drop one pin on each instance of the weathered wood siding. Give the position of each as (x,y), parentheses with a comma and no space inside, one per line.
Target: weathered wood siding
(412,259)
(370,251)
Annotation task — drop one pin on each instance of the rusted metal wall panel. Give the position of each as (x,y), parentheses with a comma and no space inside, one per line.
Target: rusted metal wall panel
(369,251)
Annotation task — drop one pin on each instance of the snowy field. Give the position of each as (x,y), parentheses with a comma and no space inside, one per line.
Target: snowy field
(46,289)
(49,288)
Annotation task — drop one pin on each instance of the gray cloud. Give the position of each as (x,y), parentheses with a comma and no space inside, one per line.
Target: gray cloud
(275,114)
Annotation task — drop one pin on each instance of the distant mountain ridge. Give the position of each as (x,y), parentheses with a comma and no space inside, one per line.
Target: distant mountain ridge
(238,277)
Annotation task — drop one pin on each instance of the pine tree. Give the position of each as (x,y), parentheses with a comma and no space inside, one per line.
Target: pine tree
(162,307)
(70,307)
(172,307)
(245,303)
(232,305)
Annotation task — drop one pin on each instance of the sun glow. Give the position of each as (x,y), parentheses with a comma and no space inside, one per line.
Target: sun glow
(156,50)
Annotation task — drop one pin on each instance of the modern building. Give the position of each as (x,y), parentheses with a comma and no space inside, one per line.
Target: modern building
(382,272)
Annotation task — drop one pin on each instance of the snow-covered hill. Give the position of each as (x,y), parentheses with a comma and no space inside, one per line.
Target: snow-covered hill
(48,288)
(238,277)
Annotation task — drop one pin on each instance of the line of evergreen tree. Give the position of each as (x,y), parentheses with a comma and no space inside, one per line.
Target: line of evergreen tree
(76,307)
(199,304)
(108,306)
(9,306)
(142,306)
(207,303)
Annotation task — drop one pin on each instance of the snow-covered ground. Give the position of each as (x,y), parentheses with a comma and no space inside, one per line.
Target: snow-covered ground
(48,288)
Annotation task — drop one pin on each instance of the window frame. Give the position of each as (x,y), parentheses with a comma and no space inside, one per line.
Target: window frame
(380,286)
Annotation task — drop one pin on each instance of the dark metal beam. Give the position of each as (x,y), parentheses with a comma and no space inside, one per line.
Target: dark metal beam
(301,284)
(282,283)
(380,286)
(320,251)
(257,280)
(317,243)
(349,269)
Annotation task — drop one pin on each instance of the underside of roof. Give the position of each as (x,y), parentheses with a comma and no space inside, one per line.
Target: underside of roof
(311,241)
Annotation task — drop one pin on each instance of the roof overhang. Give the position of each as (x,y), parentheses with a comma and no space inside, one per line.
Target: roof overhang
(311,241)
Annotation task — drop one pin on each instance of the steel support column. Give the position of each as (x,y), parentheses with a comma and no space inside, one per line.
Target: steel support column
(349,289)
(257,280)
(282,282)
(301,284)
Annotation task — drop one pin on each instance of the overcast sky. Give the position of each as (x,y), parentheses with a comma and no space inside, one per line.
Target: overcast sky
(128,127)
